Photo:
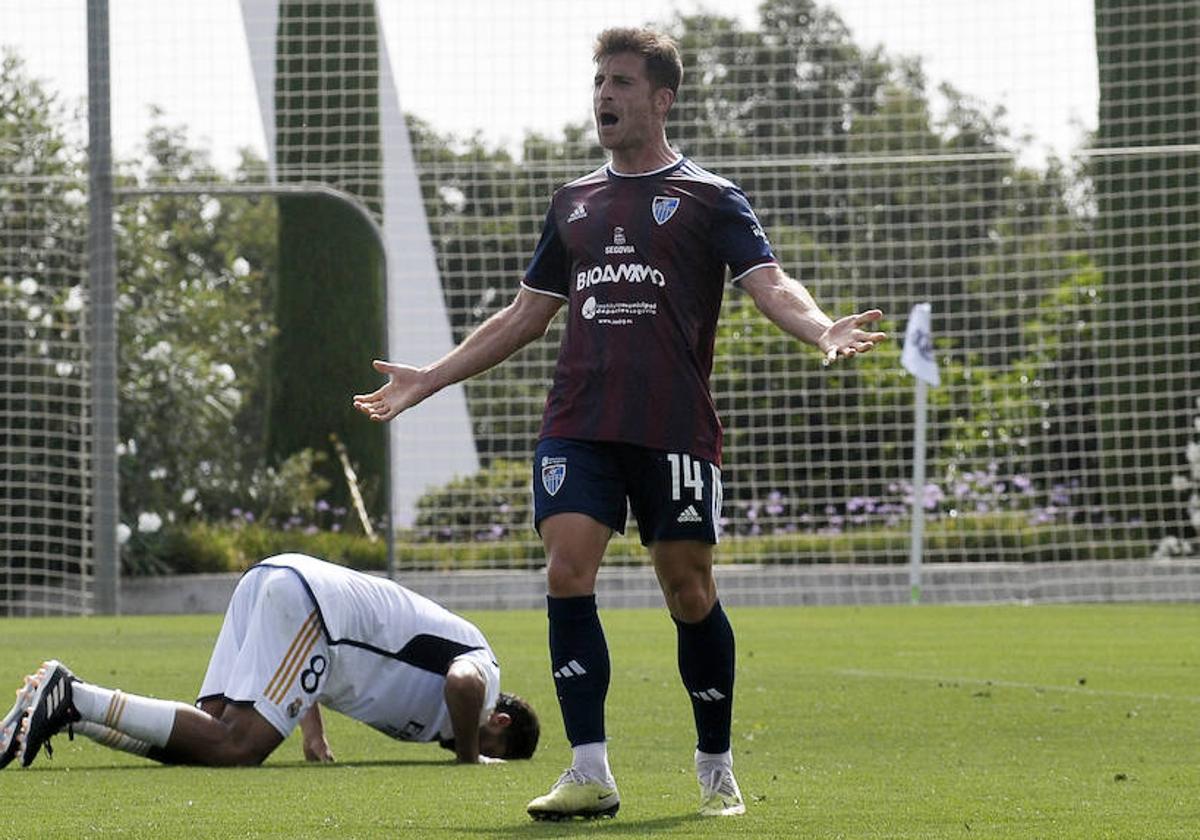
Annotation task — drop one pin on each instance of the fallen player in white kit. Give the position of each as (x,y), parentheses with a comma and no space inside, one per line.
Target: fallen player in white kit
(298,633)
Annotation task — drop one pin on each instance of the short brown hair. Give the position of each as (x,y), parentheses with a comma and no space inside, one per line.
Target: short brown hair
(522,733)
(664,67)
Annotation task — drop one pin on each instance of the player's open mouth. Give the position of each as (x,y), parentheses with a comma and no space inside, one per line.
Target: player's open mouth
(608,119)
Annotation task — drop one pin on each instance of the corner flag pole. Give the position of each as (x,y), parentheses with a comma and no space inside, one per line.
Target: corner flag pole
(918,359)
(917,539)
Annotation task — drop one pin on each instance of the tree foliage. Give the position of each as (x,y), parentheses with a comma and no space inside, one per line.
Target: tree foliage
(194,330)
(1147,191)
(329,288)
(872,196)
(43,364)
(875,190)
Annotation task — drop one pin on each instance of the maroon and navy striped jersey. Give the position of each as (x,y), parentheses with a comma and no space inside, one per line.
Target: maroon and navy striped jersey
(641,261)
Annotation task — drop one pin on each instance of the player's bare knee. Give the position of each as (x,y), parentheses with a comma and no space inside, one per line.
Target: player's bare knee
(233,751)
(214,706)
(690,594)
(246,755)
(565,579)
(690,604)
(243,738)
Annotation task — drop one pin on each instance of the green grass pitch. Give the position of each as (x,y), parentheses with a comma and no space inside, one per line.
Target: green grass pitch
(891,722)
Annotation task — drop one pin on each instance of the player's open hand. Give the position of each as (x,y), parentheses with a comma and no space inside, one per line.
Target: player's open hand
(406,386)
(317,749)
(847,337)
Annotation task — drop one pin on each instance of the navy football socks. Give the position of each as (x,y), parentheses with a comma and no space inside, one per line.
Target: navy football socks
(706,663)
(579,659)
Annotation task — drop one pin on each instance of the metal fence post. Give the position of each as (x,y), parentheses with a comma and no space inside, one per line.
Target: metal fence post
(102,270)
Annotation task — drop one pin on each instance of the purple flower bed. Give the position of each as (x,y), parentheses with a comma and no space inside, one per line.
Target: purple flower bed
(972,493)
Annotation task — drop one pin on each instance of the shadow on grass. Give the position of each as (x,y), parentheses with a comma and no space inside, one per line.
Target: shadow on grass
(44,766)
(617,825)
(378,762)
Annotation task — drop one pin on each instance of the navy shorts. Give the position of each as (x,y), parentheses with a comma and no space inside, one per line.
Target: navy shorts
(674,496)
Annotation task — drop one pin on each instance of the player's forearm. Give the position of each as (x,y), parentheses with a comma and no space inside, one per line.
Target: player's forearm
(790,306)
(311,725)
(464,695)
(312,731)
(464,699)
(466,744)
(491,343)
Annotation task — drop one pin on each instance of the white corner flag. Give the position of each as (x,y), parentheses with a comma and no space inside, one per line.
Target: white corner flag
(917,357)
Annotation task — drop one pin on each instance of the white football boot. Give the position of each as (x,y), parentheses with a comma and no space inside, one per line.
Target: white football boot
(719,792)
(575,795)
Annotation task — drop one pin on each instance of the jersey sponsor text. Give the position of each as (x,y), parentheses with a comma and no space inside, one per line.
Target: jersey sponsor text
(627,272)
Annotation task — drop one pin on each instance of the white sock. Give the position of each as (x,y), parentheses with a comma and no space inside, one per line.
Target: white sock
(143,718)
(101,734)
(592,761)
(710,760)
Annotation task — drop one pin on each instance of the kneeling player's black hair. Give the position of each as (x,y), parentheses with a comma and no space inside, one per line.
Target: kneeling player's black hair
(521,736)
(524,731)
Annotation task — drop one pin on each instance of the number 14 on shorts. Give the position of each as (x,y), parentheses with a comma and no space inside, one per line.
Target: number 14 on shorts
(686,476)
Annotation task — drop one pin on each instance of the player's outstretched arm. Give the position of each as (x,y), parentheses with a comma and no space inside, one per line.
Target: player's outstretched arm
(847,337)
(497,338)
(465,692)
(312,728)
(788,304)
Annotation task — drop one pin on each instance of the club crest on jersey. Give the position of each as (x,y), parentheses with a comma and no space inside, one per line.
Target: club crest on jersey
(554,473)
(664,208)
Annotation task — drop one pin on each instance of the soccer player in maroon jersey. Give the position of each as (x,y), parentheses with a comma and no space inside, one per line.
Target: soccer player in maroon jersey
(638,252)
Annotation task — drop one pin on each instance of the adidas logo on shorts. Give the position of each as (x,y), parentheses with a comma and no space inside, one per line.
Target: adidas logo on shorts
(689,515)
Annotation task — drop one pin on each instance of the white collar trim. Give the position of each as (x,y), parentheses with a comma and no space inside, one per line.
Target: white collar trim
(670,165)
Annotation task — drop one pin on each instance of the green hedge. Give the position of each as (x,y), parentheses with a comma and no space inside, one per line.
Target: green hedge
(985,539)
(992,538)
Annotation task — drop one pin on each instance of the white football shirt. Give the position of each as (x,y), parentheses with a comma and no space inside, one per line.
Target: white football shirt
(390,649)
